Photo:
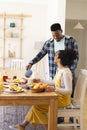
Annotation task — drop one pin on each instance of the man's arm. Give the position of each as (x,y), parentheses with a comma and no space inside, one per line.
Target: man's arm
(38,57)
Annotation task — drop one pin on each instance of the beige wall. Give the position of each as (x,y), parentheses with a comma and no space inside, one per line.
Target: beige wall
(76,10)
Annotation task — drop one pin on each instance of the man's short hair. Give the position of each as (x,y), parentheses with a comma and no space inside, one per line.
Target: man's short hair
(55,26)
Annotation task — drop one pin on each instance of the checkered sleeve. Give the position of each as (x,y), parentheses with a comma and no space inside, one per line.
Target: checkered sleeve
(40,55)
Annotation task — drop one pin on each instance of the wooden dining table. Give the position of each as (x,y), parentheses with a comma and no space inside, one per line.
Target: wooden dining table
(29,98)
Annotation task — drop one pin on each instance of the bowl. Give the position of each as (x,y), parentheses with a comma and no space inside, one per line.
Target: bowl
(37,90)
(28,73)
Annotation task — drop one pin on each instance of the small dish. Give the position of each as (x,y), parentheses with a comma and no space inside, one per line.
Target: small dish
(9,91)
(6,85)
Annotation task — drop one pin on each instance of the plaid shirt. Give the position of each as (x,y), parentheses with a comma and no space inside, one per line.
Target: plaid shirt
(48,47)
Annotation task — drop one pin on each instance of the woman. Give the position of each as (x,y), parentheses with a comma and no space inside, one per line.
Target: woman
(63,87)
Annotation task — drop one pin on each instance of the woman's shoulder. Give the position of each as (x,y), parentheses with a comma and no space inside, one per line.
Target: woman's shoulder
(67,72)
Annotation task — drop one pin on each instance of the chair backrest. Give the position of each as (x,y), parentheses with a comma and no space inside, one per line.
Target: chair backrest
(80,87)
(17,64)
(17,67)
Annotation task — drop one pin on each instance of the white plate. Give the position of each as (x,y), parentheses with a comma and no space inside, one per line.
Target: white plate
(6,85)
(9,91)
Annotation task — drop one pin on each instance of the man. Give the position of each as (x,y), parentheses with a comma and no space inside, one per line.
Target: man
(57,42)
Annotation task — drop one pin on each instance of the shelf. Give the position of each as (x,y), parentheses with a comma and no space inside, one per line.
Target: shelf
(11,35)
(15,15)
(13,28)
(12,38)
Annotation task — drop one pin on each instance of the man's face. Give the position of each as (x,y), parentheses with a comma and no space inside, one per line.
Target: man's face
(57,35)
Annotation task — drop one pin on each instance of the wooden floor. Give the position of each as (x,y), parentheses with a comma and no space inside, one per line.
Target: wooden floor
(85,118)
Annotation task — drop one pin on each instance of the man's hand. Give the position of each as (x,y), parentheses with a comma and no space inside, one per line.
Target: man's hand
(28,66)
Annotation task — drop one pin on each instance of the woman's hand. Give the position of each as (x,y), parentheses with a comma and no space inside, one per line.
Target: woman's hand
(36,80)
(50,89)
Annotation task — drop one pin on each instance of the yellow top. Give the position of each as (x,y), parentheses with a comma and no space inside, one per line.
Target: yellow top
(63,99)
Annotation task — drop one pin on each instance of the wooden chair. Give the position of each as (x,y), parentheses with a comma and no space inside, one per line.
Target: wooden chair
(18,67)
(75,110)
(17,64)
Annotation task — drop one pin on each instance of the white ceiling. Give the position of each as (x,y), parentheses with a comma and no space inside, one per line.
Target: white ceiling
(27,1)
(39,1)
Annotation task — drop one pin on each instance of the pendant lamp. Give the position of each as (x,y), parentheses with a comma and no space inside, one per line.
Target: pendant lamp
(78,26)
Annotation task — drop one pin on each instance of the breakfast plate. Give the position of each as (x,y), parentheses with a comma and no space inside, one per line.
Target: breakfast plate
(10,91)
(6,85)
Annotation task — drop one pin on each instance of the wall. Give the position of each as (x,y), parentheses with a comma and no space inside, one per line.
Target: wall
(75,10)
(34,27)
(80,36)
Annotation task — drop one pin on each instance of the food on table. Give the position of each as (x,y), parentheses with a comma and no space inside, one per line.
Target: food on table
(33,84)
(1,79)
(14,77)
(5,77)
(23,81)
(16,80)
(14,87)
(1,85)
(38,85)
(8,80)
